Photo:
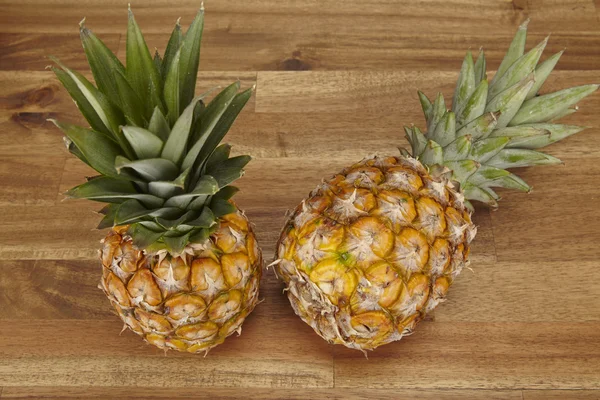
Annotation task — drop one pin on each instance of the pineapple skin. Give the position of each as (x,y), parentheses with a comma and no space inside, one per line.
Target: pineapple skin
(188,302)
(373,249)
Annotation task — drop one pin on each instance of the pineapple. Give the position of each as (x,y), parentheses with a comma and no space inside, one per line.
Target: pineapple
(376,247)
(181,265)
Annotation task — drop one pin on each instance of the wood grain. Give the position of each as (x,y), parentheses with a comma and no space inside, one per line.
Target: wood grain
(321,16)
(42,289)
(257,394)
(561,394)
(30,51)
(481,355)
(336,81)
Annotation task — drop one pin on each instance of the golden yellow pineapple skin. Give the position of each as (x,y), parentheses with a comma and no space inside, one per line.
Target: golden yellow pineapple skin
(189,302)
(372,250)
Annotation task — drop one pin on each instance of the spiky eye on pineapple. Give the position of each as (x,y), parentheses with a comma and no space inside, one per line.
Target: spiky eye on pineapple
(376,247)
(181,265)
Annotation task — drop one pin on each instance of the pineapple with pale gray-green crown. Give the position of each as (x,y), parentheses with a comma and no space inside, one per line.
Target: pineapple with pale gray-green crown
(181,265)
(375,248)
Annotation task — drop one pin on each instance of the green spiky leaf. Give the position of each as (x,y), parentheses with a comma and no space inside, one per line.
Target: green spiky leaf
(508,102)
(485,149)
(112,190)
(94,106)
(546,107)
(475,105)
(172,90)
(141,71)
(465,84)
(226,193)
(426,105)
(438,111)
(480,68)
(174,148)
(222,127)
(417,140)
(433,154)
(488,176)
(458,149)
(158,125)
(445,131)
(522,67)
(513,158)
(103,64)
(542,72)
(480,127)
(220,154)
(190,59)
(151,169)
(229,170)
(168,189)
(143,236)
(132,105)
(145,144)
(482,194)
(462,169)
(99,151)
(206,219)
(515,51)
(221,207)
(210,117)
(173,46)
(108,221)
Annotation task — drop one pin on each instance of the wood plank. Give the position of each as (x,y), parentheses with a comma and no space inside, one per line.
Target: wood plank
(258,394)
(525,324)
(30,180)
(299,131)
(30,51)
(63,231)
(555,221)
(561,394)
(55,289)
(376,91)
(351,17)
(519,292)
(352,135)
(480,355)
(30,98)
(223,50)
(258,358)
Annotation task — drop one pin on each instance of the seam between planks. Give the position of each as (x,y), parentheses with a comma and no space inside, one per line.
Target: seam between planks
(255,90)
(489,212)
(333,369)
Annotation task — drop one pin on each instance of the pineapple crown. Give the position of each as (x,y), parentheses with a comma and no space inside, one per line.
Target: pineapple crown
(496,125)
(155,145)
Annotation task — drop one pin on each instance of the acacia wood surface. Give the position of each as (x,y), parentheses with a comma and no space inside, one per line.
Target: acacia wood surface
(336,81)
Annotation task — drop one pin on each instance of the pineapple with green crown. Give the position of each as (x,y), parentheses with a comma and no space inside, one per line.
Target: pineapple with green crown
(376,247)
(181,265)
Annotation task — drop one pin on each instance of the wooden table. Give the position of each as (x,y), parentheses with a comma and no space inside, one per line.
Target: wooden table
(336,80)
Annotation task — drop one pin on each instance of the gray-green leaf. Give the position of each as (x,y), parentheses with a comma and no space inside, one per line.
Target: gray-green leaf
(145,144)
(546,107)
(151,169)
(190,59)
(98,150)
(141,70)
